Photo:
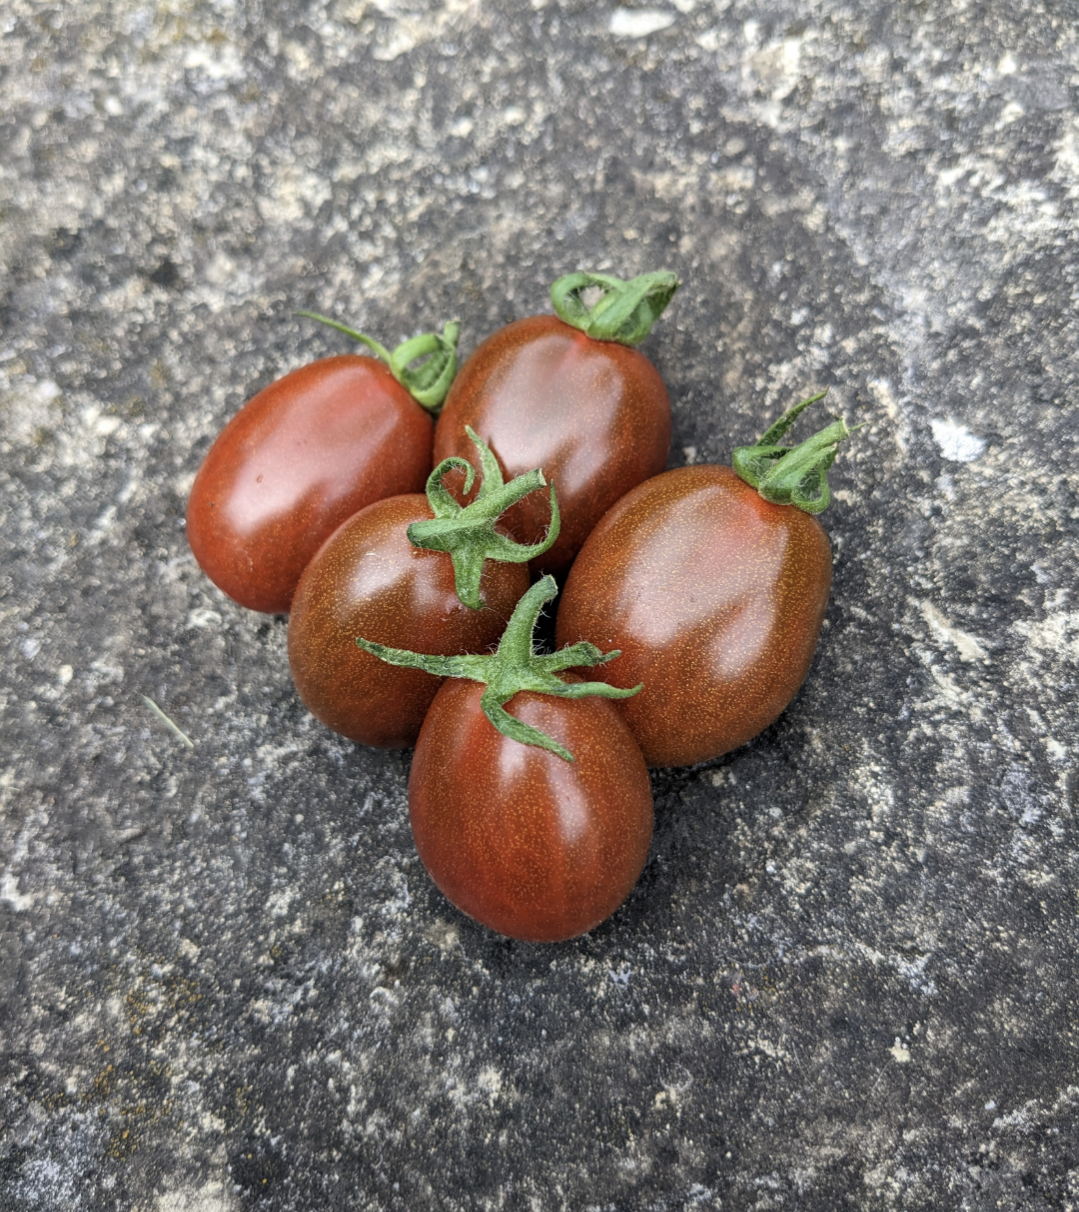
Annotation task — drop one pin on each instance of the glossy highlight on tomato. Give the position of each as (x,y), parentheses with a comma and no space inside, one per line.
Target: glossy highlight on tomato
(298,459)
(715,597)
(369,580)
(527,843)
(593,414)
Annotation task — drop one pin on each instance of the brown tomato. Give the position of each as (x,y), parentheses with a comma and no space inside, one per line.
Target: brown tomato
(522,840)
(593,414)
(368,580)
(297,460)
(715,597)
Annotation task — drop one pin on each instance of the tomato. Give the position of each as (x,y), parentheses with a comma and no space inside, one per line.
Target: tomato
(593,413)
(369,580)
(527,837)
(714,595)
(305,453)
(299,458)
(526,843)
(410,569)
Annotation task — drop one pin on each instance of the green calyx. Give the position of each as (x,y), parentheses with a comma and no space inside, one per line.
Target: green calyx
(427,383)
(467,533)
(625,312)
(793,475)
(516,666)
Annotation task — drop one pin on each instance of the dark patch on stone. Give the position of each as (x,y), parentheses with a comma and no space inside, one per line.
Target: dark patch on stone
(166,274)
(257,1168)
(63,242)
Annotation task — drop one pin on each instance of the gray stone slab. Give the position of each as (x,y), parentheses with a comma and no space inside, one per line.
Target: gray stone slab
(847,977)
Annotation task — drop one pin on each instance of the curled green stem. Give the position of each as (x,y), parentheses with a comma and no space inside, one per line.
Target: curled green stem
(516,666)
(624,312)
(429,382)
(467,533)
(793,475)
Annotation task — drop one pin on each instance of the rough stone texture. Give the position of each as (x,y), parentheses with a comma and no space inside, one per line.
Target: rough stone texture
(847,978)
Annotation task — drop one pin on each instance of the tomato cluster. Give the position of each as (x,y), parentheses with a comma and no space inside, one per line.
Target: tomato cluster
(412,612)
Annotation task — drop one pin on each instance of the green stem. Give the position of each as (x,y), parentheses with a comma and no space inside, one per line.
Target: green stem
(467,533)
(793,475)
(429,382)
(625,311)
(514,667)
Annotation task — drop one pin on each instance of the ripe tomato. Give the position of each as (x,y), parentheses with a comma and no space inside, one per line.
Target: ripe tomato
(527,843)
(593,413)
(297,460)
(714,595)
(368,579)
(409,569)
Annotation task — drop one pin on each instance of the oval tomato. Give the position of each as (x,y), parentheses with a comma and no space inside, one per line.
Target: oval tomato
(527,843)
(300,457)
(368,579)
(594,414)
(714,595)
(416,569)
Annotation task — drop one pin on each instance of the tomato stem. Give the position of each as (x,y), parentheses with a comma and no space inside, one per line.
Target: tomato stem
(467,533)
(793,475)
(516,666)
(429,382)
(625,311)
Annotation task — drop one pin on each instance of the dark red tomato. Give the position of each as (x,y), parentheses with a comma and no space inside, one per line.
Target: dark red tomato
(518,838)
(593,414)
(368,580)
(297,460)
(715,597)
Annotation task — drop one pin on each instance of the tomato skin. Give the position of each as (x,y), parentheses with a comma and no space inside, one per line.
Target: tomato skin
(300,457)
(715,597)
(526,843)
(593,414)
(368,580)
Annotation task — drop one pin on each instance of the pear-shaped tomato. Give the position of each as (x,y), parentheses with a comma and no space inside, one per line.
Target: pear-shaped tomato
(306,453)
(571,397)
(520,839)
(297,460)
(714,595)
(411,569)
(369,580)
(529,799)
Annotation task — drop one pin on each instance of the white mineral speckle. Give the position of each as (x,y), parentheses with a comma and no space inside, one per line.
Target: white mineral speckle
(965,644)
(956,442)
(639,23)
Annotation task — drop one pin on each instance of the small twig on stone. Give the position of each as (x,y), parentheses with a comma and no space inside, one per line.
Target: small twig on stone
(169,724)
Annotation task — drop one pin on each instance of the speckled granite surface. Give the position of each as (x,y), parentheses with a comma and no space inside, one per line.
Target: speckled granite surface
(847,978)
